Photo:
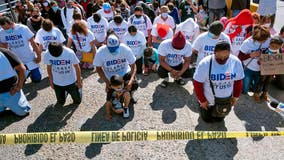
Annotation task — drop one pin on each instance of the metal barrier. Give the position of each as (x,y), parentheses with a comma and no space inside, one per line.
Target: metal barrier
(8,8)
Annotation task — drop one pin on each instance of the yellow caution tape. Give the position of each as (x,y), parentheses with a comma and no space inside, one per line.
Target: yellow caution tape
(124,136)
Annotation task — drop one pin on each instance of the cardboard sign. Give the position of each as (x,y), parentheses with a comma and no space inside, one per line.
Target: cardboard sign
(271,64)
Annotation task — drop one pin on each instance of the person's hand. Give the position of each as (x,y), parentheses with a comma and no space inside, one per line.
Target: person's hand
(234,101)
(174,73)
(14,90)
(204,105)
(51,85)
(129,86)
(154,67)
(107,87)
(255,54)
(79,84)
(108,117)
(37,59)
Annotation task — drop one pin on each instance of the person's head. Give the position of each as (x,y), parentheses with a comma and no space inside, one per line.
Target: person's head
(171,6)
(178,41)
(77,16)
(97,17)
(260,33)
(116,83)
(222,52)
(47,25)
(35,13)
(275,44)
(256,18)
(45,4)
(132,30)
(112,43)
(106,7)
(215,29)
(266,20)
(55,49)
(100,2)
(54,6)
(223,20)
(79,27)
(281,34)
(69,3)
(138,11)
(6,23)
(155,5)
(117,19)
(148,52)
(164,11)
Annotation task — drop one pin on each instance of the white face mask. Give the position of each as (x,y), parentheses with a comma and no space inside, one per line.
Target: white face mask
(164,15)
(272,51)
(267,24)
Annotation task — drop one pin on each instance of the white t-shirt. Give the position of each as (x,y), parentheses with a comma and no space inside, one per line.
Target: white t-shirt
(6,70)
(84,41)
(189,28)
(169,21)
(67,21)
(239,39)
(63,70)
(19,42)
(137,43)
(108,16)
(44,38)
(173,56)
(119,30)
(114,64)
(99,29)
(222,76)
(141,24)
(205,45)
(154,33)
(249,46)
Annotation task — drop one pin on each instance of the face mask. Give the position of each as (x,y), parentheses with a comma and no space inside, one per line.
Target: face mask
(35,16)
(55,8)
(112,50)
(221,61)
(271,51)
(119,89)
(10,30)
(267,24)
(211,35)
(45,4)
(85,1)
(138,16)
(69,5)
(164,15)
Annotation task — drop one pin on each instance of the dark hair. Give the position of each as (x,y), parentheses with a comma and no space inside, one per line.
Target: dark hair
(132,28)
(282,30)
(77,16)
(97,17)
(138,8)
(276,40)
(5,20)
(55,49)
(118,19)
(222,46)
(216,28)
(116,80)
(47,25)
(148,52)
(111,32)
(260,33)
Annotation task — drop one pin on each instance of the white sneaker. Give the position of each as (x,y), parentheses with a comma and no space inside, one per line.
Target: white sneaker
(125,112)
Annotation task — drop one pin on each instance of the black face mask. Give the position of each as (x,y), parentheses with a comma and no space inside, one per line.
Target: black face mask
(220,61)
(96,18)
(35,16)
(138,16)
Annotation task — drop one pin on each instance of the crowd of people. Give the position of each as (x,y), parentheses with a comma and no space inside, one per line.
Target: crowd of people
(122,38)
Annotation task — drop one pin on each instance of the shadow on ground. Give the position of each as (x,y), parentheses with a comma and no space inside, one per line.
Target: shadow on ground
(257,116)
(98,123)
(145,80)
(31,89)
(51,120)
(223,149)
(168,99)
(7,118)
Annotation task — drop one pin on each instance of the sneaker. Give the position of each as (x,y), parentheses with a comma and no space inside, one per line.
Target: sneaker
(256,97)
(125,112)
(180,82)
(265,97)
(164,84)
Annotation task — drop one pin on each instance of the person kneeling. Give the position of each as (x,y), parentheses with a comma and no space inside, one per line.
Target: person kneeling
(64,72)
(118,98)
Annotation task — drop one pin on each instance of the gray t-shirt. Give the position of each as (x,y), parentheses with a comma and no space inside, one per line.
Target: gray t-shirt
(216,4)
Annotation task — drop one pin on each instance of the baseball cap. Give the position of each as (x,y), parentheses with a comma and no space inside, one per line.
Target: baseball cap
(179,41)
(113,44)
(106,6)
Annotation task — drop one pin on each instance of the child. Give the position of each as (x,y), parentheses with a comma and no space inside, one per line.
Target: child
(64,72)
(150,60)
(118,98)
(264,81)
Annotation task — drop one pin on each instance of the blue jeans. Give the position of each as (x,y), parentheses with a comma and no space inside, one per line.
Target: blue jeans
(34,74)
(251,78)
(235,12)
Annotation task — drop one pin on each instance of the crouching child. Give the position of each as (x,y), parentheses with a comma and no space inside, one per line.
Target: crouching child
(118,98)
(64,73)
